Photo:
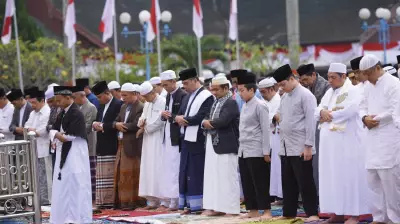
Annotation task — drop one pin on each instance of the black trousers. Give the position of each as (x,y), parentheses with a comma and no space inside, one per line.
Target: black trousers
(297,177)
(255,174)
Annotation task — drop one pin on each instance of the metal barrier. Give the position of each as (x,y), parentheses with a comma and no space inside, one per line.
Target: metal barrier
(19,180)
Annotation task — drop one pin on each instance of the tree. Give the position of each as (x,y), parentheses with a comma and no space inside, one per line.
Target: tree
(181,51)
(28,30)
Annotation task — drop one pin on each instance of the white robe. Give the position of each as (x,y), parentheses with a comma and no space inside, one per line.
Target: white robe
(150,164)
(343,186)
(72,195)
(275,187)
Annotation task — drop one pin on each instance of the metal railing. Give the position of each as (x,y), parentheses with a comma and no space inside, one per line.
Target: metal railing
(19,190)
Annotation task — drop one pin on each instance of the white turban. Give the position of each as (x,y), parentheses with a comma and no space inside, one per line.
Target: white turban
(128,87)
(146,88)
(338,68)
(368,61)
(113,85)
(49,93)
(267,82)
(167,75)
(155,80)
(207,74)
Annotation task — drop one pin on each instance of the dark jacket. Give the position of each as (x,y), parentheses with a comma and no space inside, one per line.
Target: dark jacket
(132,145)
(227,127)
(175,130)
(15,121)
(319,88)
(196,120)
(107,141)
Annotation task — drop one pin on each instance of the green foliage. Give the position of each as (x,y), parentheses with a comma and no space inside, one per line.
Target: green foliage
(27,28)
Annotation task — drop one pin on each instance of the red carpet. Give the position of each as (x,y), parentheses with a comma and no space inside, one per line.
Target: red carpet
(120,213)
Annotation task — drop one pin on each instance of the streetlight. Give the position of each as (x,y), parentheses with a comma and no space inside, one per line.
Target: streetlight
(144,18)
(383,15)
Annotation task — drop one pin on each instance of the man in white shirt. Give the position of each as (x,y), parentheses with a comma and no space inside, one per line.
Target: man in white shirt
(380,112)
(156,83)
(343,189)
(37,123)
(6,115)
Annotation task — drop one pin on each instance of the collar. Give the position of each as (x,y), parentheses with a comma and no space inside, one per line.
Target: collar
(109,102)
(66,109)
(252,101)
(194,93)
(275,97)
(381,78)
(173,92)
(24,106)
(294,90)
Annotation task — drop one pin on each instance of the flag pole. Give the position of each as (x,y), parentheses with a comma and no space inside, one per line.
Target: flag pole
(116,45)
(238,53)
(159,47)
(199,56)
(73,50)
(21,81)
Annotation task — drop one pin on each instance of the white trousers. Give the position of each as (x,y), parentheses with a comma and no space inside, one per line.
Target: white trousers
(385,194)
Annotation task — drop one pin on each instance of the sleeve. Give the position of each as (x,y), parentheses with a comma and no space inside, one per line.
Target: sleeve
(350,109)
(90,117)
(143,116)
(133,126)
(363,103)
(394,98)
(229,113)
(203,111)
(322,105)
(29,122)
(13,124)
(309,103)
(263,115)
(157,124)
(109,126)
(41,129)
(9,117)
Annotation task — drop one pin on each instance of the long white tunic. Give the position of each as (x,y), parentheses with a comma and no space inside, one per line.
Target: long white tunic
(342,177)
(170,164)
(72,195)
(275,187)
(150,165)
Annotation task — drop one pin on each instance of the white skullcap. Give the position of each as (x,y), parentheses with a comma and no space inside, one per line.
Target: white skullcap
(224,75)
(155,80)
(390,69)
(167,75)
(207,74)
(201,79)
(128,87)
(179,84)
(338,68)
(136,88)
(368,61)
(146,88)
(113,85)
(267,82)
(49,93)
(219,80)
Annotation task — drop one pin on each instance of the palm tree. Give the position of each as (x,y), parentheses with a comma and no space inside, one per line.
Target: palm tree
(181,51)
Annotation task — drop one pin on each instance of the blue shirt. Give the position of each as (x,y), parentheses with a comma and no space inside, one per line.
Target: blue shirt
(241,102)
(93,99)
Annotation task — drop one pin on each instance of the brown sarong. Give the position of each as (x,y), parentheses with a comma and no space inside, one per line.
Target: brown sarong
(126,181)
(105,180)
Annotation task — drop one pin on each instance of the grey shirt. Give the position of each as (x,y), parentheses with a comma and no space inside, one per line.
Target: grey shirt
(254,129)
(297,122)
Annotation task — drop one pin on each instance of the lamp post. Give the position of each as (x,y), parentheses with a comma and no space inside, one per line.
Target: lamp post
(145,46)
(383,27)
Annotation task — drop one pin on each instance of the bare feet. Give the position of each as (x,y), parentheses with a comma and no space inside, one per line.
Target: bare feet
(162,208)
(251,214)
(185,212)
(334,219)
(282,218)
(312,219)
(207,212)
(148,208)
(352,220)
(172,209)
(266,216)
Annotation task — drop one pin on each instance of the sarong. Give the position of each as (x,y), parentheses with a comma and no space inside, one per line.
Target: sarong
(93,160)
(126,181)
(105,180)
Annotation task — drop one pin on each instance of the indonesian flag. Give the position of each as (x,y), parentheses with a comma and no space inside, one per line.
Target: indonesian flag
(197,19)
(7,26)
(233,21)
(106,24)
(152,27)
(70,22)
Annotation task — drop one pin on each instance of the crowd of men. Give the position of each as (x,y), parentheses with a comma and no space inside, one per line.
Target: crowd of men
(203,145)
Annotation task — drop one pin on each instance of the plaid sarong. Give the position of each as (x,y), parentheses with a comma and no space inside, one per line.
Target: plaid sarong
(105,180)
(93,160)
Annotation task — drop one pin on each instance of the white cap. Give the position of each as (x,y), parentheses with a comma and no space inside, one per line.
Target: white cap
(267,82)
(128,87)
(207,74)
(338,68)
(167,75)
(179,84)
(390,69)
(368,61)
(136,88)
(155,80)
(201,79)
(219,80)
(49,93)
(146,88)
(113,85)
(220,74)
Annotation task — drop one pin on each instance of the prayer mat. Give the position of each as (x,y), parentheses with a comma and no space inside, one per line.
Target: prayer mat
(105,180)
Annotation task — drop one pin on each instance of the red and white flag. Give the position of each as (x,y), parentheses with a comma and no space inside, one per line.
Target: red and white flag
(197,19)
(152,26)
(7,26)
(106,24)
(70,21)
(233,21)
